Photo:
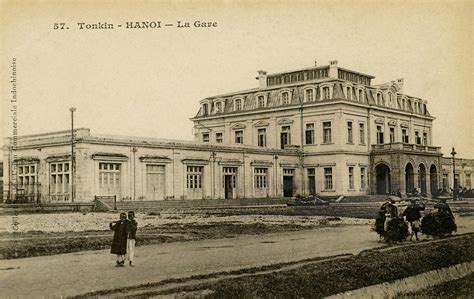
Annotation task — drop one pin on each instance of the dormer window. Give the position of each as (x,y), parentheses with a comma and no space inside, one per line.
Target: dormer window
(326,94)
(238,105)
(260,102)
(390,99)
(361,95)
(219,107)
(205,109)
(349,93)
(379,99)
(309,95)
(285,98)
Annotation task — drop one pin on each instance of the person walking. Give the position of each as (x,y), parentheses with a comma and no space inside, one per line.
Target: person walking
(119,242)
(133,225)
(412,214)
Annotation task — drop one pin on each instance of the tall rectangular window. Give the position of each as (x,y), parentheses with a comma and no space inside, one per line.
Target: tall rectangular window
(309,95)
(309,134)
(349,132)
(361,95)
(285,137)
(349,93)
(205,137)
(417,138)
(405,136)
(27,180)
(326,93)
(238,105)
(260,101)
(109,178)
(262,137)
(239,137)
(351,177)
(59,182)
(219,107)
(219,137)
(194,177)
(327,138)
(285,98)
(328,178)
(379,135)
(392,135)
(362,178)
(361,133)
(425,138)
(260,176)
(312,181)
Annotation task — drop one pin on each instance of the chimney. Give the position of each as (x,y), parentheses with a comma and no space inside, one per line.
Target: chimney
(262,79)
(400,84)
(333,69)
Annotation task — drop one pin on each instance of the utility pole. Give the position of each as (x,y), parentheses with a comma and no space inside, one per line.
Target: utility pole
(72,109)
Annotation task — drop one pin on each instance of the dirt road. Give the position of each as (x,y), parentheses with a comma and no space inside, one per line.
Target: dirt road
(79,273)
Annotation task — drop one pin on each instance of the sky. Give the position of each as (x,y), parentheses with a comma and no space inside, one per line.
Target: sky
(148,82)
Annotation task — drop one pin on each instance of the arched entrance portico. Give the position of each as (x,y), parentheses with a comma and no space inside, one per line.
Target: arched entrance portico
(409,178)
(382,177)
(433,179)
(422,178)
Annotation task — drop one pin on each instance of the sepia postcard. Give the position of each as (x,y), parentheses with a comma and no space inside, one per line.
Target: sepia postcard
(249,149)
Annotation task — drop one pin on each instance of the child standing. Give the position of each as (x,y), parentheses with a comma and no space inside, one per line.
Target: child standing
(133,225)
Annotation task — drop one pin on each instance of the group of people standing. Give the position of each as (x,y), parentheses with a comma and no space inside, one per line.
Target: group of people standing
(393,226)
(123,243)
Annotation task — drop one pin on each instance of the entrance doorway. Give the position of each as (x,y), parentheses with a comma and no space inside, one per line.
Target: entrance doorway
(287,182)
(409,178)
(433,180)
(422,178)
(311,181)
(229,182)
(155,182)
(382,177)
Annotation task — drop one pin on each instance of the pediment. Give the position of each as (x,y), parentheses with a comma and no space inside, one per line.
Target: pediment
(237,126)
(261,123)
(392,122)
(379,120)
(285,121)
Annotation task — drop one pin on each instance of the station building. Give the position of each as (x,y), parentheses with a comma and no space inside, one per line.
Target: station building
(321,130)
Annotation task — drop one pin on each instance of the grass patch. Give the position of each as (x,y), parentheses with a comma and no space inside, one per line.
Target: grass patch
(327,278)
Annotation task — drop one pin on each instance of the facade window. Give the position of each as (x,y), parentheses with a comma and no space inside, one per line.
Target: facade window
(260,175)
(194,177)
(309,93)
(238,105)
(350,138)
(285,137)
(328,178)
(109,178)
(361,95)
(425,138)
(239,137)
(219,107)
(362,178)
(351,177)
(205,109)
(262,137)
(349,93)
(379,135)
(405,138)
(219,137)
(309,134)
(326,94)
(59,181)
(285,98)
(205,137)
(361,133)
(417,138)
(379,99)
(27,178)
(312,181)
(327,138)
(260,102)
(392,135)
